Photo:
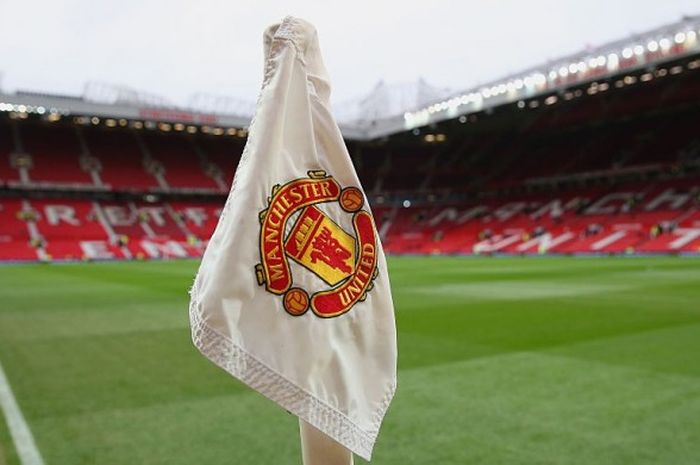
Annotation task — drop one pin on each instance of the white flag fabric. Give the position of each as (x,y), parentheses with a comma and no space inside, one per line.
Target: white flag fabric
(292,296)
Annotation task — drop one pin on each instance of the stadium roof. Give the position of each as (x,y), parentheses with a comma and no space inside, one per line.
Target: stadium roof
(388,109)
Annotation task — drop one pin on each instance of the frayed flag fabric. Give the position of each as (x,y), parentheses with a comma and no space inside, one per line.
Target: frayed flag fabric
(292,296)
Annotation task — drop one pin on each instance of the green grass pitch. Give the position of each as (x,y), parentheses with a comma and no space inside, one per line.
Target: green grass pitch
(590,361)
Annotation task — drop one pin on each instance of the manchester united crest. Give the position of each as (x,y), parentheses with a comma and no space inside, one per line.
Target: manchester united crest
(294,228)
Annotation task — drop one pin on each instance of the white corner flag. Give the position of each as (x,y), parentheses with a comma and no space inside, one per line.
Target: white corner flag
(292,296)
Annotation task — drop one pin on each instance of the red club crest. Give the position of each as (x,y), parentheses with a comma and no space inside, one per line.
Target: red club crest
(345,261)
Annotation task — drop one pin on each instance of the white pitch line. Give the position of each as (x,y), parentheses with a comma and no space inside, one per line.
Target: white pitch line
(19,430)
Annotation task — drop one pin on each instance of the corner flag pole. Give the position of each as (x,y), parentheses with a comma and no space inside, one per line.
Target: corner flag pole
(319,449)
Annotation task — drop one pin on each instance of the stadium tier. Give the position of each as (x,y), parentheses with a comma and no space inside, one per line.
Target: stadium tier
(661,218)
(79,229)
(605,166)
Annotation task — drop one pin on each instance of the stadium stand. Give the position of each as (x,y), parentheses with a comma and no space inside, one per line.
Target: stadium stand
(15,233)
(662,219)
(182,167)
(199,218)
(600,166)
(121,162)
(222,155)
(8,172)
(68,227)
(54,152)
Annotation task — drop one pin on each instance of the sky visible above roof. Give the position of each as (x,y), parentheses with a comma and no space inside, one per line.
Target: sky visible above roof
(178,48)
